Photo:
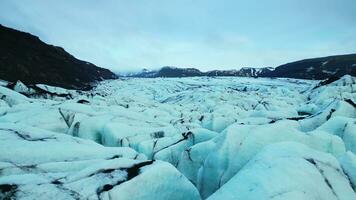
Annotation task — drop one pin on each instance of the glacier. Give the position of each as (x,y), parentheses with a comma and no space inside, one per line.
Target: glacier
(180,138)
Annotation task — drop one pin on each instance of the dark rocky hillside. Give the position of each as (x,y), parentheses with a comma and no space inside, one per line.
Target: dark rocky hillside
(25,57)
(317,68)
(178,72)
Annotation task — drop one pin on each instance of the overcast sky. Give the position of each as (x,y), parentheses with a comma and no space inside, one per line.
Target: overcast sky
(125,35)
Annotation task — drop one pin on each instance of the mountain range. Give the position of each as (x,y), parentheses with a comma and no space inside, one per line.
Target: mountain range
(314,68)
(169,71)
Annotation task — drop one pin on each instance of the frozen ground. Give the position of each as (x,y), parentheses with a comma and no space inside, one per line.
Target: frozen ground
(183,138)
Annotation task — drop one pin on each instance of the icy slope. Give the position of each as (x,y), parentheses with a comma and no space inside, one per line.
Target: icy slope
(100,144)
(288,171)
(38,164)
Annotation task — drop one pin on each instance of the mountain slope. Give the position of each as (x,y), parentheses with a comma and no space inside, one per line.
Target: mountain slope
(317,68)
(178,72)
(25,57)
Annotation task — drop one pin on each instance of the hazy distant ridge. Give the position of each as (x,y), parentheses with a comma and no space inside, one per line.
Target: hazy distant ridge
(315,68)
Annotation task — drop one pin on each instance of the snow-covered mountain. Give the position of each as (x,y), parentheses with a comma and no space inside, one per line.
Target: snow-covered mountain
(180,138)
(26,58)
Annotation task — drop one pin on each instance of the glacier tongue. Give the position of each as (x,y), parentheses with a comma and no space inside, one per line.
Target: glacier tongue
(180,138)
